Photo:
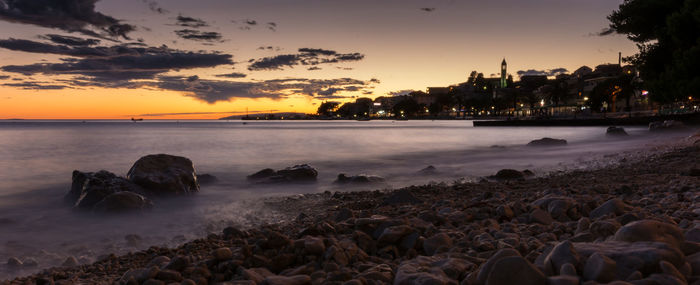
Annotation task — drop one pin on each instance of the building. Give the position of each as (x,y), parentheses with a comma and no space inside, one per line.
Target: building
(504,74)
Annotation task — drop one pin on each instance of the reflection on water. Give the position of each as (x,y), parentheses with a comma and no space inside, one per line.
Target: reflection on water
(37,159)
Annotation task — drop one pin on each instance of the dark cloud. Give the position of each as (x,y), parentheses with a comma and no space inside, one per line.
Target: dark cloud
(116,63)
(428,9)
(547,72)
(212,91)
(68,15)
(184,21)
(251,22)
(314,68)
(203,113)
(401,92)
(272,26)
(306,56)
(70,41)
(155,7)
(195,35)
(3,77)
(232,75)
(317,51)
(32,85)
(269,48)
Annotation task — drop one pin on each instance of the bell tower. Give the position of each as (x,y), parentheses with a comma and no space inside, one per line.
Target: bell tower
(504,73)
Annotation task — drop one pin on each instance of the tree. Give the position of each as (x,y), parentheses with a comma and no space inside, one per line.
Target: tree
(407,106)
(667,33)
(327,108)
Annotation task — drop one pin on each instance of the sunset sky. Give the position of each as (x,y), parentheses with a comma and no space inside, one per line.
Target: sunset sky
(176,59)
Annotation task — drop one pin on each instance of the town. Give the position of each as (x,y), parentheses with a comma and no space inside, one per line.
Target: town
(608,90)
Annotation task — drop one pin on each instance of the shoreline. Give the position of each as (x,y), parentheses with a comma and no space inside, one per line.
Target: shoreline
(346,236)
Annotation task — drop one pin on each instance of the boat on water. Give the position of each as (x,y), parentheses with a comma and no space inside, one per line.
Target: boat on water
(136,119)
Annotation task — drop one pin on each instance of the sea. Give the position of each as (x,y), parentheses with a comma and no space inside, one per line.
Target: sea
(38,157)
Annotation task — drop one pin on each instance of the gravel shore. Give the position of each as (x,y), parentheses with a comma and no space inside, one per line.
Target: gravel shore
(636,221)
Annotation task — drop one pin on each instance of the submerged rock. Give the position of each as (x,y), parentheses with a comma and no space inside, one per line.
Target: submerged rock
(616,131)
(359,179)
(547,142)
(123,201)
(165,174)
(297,173)
(206,179)
(666,125)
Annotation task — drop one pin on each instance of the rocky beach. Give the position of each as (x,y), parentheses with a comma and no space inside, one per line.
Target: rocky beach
(634,221)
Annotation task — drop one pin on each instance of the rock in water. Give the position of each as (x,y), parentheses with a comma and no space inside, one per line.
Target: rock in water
(297,173)
(123,201)
(547,142)
(262,174)
(508,174)
(666,125)
(358,179)
(302,172)
(615,131)
(165,174)
(206,179)
(94,187)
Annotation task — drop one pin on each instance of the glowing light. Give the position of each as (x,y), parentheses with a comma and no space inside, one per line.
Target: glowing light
(542,102)
(645,93)
(585,98)
(377,104)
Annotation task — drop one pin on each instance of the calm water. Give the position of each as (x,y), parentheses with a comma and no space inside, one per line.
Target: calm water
(37,159)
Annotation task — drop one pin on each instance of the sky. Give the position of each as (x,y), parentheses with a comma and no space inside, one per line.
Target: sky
(206,59)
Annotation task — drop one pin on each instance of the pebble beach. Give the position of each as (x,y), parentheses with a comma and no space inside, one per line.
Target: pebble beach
(635,221)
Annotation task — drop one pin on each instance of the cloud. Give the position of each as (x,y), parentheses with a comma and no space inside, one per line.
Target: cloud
(232,75)
(428,9)
(272,26)
(33,85)
(203,113)
(195,35)
(184,21)
(212,91)
(69,40)
(306,56)
(251,22)
(314,68)
(3,77)
(603,32)
(155,7)
(67,15)
(269,48)
(115,63)
(401,92)
(546,72)
(317,51)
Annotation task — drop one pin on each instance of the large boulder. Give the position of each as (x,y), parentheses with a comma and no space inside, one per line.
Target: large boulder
(90,188)
(547,142)
(359,179)
(164,174)
(297,173)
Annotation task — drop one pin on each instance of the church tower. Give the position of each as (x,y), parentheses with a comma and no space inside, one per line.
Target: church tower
(504,73)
